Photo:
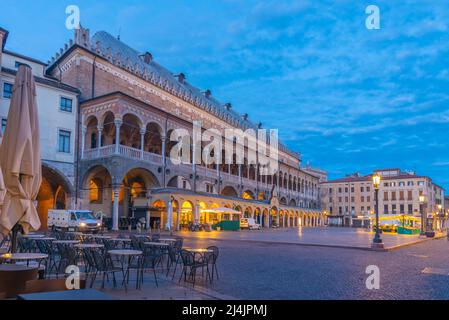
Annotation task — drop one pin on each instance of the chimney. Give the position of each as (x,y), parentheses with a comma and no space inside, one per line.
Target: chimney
(181,77)
(147,57)
(245,116)
(207,93)
(228,106)
(3,37)
(259,125)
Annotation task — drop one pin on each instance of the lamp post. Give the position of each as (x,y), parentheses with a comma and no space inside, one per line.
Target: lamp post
(422,198)
(377,241)
(439,218)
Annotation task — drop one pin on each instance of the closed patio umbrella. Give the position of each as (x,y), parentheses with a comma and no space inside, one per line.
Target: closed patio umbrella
(2,183)
(20,158)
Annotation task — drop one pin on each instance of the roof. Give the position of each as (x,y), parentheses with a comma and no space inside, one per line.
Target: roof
(120,54)
(46,81)
(24,57)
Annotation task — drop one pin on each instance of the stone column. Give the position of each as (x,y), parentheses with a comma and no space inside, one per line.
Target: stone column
(178,217)
(142,142)
(116,190)
(288,221)
(147,224)
(168,224)
(196,213)
(100,139)
(83,140)
(118,124)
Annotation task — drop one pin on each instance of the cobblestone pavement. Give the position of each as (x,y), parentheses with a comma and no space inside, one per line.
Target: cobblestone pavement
(255,270)
(328,236)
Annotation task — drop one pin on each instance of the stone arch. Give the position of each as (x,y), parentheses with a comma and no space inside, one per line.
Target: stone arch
(248,213)
(229,191)
(292,203)
(180,182)
(248,194)
(55,192)
(265,218)
(153,138)
(283,201)
(130,131)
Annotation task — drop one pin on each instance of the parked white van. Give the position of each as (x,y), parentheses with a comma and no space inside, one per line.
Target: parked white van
(73,220)
(249,223)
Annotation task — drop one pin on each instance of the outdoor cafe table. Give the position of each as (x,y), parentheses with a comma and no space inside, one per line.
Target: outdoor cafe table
(14,257)
(66,242)
(161,244)
(100,237)
(33,236)
(167,239)
(130,254)
(124,241)
(84,294)
(89,246)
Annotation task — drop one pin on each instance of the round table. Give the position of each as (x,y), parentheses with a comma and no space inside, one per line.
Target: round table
(24,257)
(33,236)
(89,246)
(168,239)
(124,241)
(43,239)
(161,244)
(130,254)
(66,242)
(101,237)
(199,250)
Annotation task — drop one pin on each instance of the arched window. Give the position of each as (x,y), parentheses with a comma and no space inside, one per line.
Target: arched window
(93,141)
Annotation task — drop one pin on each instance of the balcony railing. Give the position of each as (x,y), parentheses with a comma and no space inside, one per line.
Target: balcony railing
(133,153)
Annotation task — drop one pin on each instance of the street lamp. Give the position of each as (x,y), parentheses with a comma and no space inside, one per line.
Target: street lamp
(422,198)
(377,241)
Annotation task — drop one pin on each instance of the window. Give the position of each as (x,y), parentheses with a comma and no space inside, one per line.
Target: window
(362,209)
(184,184)
(64,141)
(409,195)
(401,208)
(410,208)
(330,190)
(401,183)
(401,195)
(368,208)
(386,208)
(209,188)
(361,189)
(393,195)
(17,64)
(346,190)
(393,208)
(330,200)
(7,90)
(339,199)
(362,199)
(420,183)
(352,189)
(346,200)
(340,210)
(386,196)
(368,189)
(339,190)
(410,183)
(66,104)
(386,184)
(3,126)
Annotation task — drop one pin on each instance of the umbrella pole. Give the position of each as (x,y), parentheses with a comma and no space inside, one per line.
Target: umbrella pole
(14,232)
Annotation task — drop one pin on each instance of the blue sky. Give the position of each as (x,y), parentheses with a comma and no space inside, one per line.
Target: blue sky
(349,99)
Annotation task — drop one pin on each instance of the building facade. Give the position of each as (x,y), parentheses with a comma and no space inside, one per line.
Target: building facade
(120,141)
(349,201)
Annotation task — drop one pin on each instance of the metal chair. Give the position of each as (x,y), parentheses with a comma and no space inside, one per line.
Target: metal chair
(189,263)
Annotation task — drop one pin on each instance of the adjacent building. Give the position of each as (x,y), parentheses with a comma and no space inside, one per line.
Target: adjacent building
(57,103)
(107,114)
(349,201)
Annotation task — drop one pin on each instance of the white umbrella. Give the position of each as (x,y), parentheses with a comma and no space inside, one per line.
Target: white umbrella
(20,158)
